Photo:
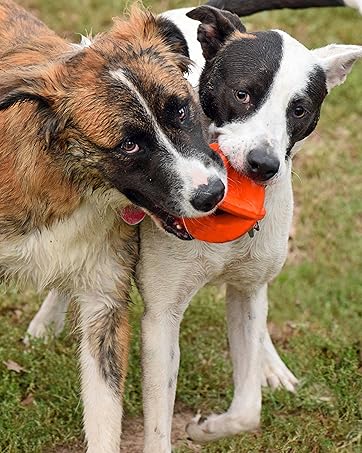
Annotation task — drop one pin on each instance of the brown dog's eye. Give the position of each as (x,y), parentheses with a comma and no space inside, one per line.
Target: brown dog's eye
(299,111)
(242,96)
(182,114)
(130,147)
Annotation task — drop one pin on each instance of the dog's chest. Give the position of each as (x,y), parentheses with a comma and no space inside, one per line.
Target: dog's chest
(58,255)
(260,258)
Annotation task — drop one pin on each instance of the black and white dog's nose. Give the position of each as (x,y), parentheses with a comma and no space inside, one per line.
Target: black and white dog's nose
(208,195)
(262,165)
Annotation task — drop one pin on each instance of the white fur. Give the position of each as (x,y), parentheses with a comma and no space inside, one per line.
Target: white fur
(70,248)
(50,318)
(337,61)
(102,409)
(78,256)
(357,4)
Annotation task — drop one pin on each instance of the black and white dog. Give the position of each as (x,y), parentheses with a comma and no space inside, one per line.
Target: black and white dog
(263,93)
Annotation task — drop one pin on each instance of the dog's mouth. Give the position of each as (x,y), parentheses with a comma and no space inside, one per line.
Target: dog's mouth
(171,224)
(134,214)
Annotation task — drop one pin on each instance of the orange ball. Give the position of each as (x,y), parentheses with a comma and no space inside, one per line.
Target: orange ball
(241,209)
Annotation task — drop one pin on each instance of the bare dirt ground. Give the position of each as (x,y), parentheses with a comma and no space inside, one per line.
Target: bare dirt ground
(132,438)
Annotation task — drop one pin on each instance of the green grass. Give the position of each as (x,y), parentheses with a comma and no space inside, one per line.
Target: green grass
(316,305)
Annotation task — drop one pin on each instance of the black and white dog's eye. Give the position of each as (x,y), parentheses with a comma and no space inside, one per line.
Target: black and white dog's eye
(299,111)
(242,96)
(182,112)
(130,147)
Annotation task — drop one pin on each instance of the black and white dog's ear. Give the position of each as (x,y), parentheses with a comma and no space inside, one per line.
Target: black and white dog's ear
(216,26)
(337,61)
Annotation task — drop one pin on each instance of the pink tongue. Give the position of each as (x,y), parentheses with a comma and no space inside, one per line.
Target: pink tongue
(132,215)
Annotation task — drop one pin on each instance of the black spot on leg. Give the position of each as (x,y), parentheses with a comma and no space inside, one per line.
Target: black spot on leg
(104,342)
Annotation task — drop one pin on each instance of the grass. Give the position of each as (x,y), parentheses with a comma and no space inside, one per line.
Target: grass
(316,309)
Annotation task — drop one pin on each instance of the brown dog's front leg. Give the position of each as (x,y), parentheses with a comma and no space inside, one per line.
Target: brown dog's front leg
(104,357)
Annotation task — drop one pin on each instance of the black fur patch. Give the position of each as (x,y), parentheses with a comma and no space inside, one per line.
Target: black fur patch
(173,36)
(248,64)
(215,28)
(311,100)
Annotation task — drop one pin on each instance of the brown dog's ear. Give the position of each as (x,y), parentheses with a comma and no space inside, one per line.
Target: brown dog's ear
(43,85)
(216,26)
(174,39)
(39,83)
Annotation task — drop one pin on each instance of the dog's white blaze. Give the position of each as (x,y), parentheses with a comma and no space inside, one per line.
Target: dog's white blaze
(269,124)
(187,168)
(121,76)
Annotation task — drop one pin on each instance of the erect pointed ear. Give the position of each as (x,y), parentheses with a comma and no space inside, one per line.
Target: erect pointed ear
(216,26)
(40,84)
(337,61)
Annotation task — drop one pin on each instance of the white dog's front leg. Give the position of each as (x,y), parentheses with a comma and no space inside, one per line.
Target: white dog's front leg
(103,354)
(160,360)
(246,317)
(50,318)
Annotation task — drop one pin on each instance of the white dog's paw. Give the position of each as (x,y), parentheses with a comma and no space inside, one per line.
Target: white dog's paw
(357,4)
(214,427)
(277,375)
(38,330)
(44,329)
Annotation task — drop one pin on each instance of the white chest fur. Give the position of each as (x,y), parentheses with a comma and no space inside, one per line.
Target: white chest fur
(70,248)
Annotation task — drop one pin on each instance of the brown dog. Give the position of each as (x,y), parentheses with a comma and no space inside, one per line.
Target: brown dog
(80,128)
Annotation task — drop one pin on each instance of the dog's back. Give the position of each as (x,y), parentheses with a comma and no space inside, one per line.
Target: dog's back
(24,39)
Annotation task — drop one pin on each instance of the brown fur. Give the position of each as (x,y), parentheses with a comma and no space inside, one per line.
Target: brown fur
(45,67)
(62,120)
(240,35)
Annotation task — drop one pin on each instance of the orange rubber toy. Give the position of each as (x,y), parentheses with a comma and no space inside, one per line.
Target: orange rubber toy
(241,209)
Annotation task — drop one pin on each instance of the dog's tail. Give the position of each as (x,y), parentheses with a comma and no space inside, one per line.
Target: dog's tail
(248,7)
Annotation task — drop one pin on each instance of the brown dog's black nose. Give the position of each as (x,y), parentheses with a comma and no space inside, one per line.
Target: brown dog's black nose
(262,165)
(208,196)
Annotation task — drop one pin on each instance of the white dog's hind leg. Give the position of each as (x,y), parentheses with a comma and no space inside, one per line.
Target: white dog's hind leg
(246,316)
(274,371)
(50,318)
